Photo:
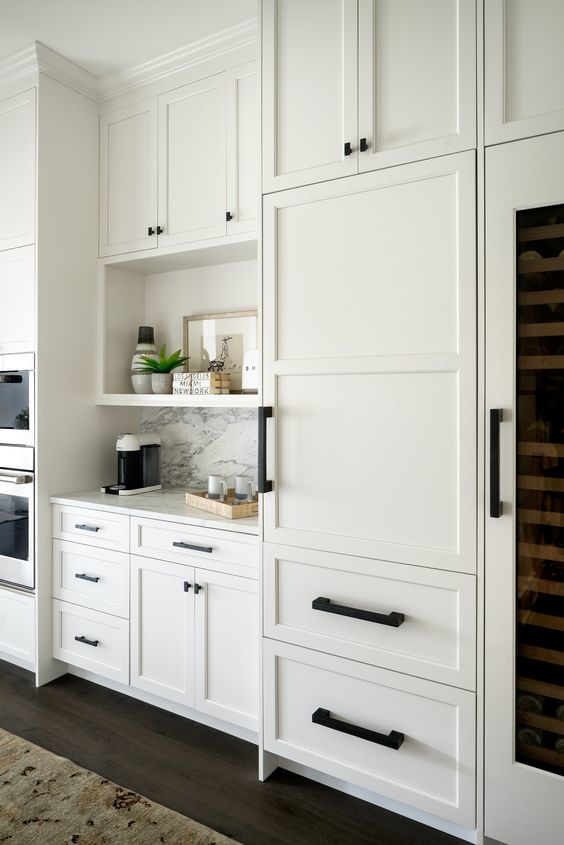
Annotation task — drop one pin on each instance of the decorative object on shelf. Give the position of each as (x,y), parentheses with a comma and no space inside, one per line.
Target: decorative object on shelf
(218,342)
(200,384)
(217,487)
(181,384)
(232,508)
(161,369)
(141,380)
(244,488)
(250,371)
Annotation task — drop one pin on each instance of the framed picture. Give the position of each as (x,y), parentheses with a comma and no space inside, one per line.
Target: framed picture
(220,340)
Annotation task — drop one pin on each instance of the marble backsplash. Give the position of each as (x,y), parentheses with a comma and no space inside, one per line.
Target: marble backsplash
(197,442)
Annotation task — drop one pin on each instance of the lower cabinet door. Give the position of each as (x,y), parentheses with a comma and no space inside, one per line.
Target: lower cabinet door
(162,629)
(402,737)
(92,640)
(227,646)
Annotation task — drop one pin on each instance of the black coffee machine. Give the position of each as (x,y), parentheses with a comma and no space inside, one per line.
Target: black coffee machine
(138,464)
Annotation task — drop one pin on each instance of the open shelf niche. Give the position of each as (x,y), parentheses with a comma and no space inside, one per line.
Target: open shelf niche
(159,291)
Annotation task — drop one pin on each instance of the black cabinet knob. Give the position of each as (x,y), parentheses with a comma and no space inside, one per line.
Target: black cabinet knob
(150,231)
(348,149)
(228,216)
(197,588)
(363,145)
(160,230)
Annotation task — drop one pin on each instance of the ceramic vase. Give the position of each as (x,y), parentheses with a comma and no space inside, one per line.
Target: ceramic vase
(141,382)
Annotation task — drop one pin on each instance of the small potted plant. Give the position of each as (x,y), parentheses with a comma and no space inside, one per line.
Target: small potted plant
(161,369)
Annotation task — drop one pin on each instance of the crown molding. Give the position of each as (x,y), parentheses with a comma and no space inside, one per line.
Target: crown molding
(38,58)
(243,34)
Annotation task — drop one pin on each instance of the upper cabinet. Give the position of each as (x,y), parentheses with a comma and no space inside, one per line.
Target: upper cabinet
(17,170)
(182,167)
(524,68)
(410,67)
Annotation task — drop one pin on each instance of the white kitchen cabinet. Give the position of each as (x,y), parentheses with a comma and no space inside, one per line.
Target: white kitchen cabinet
(192,162)
(524,605)
(416,80)
(243,155)
(226,641)
(372,449)
(128,179)
(524,68)
(309,91)
(162,629)
(17,626)
(17,170)
(17,295)
(337,101)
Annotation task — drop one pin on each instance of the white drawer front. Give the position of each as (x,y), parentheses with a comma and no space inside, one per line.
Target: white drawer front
(202,547)
(17,625)
(95,528)
(436,638)
(95,578)
(434,767)
(106,650)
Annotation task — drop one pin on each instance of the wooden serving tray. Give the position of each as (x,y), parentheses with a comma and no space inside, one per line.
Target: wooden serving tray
(226,509)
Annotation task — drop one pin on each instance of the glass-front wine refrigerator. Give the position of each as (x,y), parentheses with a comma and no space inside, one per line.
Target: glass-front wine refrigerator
(524,523)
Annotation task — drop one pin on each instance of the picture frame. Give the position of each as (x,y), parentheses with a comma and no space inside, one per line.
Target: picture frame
(223,338)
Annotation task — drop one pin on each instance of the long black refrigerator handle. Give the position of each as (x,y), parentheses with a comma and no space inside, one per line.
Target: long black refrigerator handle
(496,505)
(264,485)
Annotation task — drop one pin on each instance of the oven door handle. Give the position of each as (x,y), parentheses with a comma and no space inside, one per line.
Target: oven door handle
(16,479)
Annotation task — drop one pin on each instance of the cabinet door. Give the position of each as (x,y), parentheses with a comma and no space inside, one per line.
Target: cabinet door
(192,162)
(17,170)
(162,629)
(524,68)
(417,79)
(128,179)
(17,295)
(309,91)
(524,611)
(369,363)
(227,638)
(242,148)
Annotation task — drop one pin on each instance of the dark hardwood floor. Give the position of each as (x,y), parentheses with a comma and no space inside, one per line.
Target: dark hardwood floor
(202,773)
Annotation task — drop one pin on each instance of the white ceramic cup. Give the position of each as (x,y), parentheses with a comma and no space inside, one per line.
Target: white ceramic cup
(244,487)
(217,487)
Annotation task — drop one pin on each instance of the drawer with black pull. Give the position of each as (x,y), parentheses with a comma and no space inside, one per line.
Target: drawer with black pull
(402,737)
(91,640)
(180,543)
(93,527)
(410,619)
(91,577)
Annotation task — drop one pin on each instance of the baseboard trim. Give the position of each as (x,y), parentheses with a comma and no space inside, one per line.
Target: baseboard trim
(17,661)
(163,704)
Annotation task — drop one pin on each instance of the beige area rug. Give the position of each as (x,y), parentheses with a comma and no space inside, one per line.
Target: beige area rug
(47,800)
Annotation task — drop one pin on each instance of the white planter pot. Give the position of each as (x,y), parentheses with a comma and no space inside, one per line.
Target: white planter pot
(161,382)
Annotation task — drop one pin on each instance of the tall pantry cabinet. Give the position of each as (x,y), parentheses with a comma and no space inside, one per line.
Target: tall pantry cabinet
(369,368)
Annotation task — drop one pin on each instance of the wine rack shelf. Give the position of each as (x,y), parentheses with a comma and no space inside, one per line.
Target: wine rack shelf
(541,551)
(540,330)
(540,482)
(533,517)
(540,362)
(545,723)
(540,265)
(540,233)
(547,655)
(528,583)
(540,620)
(541,297)
(546,755)
(551,450)
(540,688)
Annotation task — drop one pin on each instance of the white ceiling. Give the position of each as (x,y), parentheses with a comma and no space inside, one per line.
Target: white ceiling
(105,36)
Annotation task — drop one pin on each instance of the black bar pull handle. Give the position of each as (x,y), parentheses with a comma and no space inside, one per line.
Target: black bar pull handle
(84,577)
(150,231)
(197,588)
(496,505)
(228,216)
(392,619)
(264,485)
(86,641)
(323,717)
(160,230)
(363,145)
(180,545)
(187,586)
(83,527)
(348,148)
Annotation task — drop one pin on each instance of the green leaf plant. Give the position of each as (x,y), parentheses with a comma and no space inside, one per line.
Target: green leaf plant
(162,364)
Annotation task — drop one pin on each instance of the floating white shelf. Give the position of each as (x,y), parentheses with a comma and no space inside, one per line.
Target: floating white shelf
(232,400)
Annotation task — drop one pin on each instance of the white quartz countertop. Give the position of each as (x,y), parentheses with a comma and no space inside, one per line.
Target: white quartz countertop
(160,504)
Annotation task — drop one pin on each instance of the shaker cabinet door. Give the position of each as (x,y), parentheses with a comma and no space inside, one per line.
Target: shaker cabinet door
(370,365)
(162,629)
(243,168)
(524,69)
(128,179)
(309,91)
(227,640)
(192,202)
(417,80)
(17,170)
